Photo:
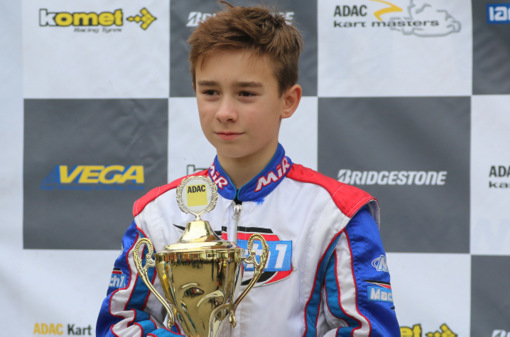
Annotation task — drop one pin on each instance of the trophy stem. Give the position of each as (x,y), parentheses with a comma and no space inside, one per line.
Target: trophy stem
(198,231)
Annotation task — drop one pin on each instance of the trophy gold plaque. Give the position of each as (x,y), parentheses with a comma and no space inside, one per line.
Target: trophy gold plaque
(200,273)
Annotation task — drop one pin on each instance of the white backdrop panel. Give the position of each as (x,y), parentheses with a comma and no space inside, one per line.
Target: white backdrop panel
(381,58)
(88,61)
(490,175)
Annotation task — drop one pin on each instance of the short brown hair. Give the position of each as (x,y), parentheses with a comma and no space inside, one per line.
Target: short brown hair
(259,29)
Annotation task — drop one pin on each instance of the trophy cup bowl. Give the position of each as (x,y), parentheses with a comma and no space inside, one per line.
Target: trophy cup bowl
(200,274)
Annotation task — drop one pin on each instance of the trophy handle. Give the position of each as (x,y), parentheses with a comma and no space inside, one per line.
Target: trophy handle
(143,271)
(259,269)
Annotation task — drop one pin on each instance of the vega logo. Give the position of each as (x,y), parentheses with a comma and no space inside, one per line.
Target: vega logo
(95,177)
(81,20)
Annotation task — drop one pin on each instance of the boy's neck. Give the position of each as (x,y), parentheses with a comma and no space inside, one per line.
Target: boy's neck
(241,171)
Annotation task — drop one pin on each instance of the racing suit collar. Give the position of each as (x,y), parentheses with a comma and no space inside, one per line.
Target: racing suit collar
(257,188)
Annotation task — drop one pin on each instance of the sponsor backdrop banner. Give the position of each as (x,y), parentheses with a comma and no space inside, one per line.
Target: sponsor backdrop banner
(407,99)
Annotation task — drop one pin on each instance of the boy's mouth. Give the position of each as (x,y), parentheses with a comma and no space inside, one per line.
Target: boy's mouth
(227,135)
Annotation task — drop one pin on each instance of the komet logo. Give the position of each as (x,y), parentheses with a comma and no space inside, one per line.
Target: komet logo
(437,178)
(95,177)
(416,331)
(91,21)
(498,13)
(499,177)
(419,18)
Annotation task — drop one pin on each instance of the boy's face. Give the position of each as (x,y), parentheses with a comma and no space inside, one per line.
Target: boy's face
(240,107)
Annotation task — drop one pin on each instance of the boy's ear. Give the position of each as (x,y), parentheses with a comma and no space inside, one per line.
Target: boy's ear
(291,98)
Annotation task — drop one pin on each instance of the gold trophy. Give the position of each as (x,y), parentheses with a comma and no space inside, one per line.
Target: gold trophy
(201,273)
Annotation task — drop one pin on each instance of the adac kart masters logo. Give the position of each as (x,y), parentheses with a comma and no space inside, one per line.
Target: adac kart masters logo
(95,177)
(91,21)
(59,329)
(417,17)
(499,177)
(279,261)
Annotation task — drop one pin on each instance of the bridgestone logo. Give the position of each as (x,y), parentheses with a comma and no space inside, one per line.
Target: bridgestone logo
(392,177)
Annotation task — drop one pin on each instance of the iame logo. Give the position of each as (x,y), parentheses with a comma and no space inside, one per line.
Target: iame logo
(95,177)
(498,13)
(416,331)
(419,17)
(91,21)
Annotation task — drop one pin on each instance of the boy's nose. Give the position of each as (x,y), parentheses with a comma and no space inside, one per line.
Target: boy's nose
(226,111)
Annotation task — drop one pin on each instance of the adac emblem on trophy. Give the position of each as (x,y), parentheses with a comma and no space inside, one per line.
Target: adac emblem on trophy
(200,274)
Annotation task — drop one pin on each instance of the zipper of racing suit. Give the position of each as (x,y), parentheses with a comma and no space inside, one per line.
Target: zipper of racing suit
(237,214)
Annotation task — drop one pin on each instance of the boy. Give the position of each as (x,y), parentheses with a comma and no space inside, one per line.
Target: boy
(327,275)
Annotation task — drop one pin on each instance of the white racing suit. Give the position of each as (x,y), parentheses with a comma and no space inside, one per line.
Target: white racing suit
(326,274)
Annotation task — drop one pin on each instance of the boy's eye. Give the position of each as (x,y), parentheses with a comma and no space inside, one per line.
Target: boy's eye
(246,93)
(210,92)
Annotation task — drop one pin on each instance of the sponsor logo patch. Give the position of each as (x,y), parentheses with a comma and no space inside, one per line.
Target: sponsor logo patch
(380,264)
(380,292)
(279,262)
(117,280)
